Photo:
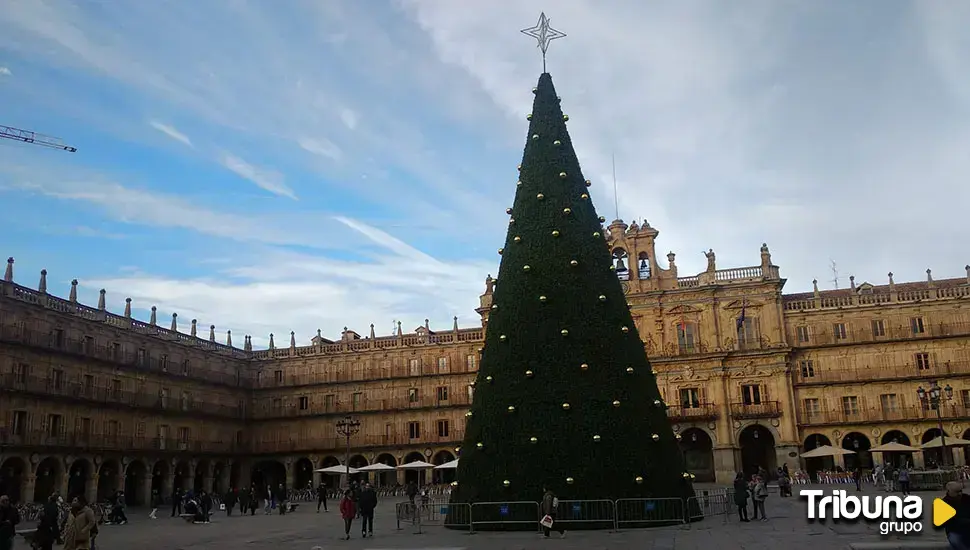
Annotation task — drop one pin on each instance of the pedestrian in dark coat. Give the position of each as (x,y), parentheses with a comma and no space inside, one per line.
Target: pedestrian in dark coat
(230,501)
(367,502)
(49,527)
(176,502)
(741,496)
(549,507)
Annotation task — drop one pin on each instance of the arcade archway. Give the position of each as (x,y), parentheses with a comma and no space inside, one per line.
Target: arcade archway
(78,476)
(108,479)
(330,480)
(235,475)
(386,478)
(50,472)
(413,475)
(757,450)
(698,452)
(180,480)
(219,471)
(855,441)
(442,476)
(13,473)
(303,474)
(135,475)
(268,475)
(159,475)
(358,461)
(897,459)
(200,477)
(821,463)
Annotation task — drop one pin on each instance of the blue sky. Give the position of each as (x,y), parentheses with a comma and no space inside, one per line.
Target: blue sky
(276,166)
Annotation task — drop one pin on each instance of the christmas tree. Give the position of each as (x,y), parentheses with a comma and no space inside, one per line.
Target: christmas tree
(565,397)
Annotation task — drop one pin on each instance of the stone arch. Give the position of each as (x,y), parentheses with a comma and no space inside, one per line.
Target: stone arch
(181,479)
(858,442)
(358,461)
(202,473)
(386,478)
(268,474)
(235,474)
(698,449)
(932,457)
(219,478)
(643,265)
(621,262)
(160,471)
(109,479)
(78,476)
(896,459)
(331,480)
(757,444)
(817,464)
(136,473)
(413,475)
(442,476)
(303,473)
(49,476)
(13,477)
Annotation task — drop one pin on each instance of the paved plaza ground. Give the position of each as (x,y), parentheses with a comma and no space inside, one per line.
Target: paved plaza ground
(786,529)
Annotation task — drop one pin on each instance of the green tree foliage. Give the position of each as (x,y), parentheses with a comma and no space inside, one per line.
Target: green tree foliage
(565,397)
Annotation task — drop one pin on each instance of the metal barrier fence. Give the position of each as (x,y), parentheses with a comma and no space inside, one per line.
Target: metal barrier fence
(587,511)
(500,513)
(645,511)
(719,504)
(438,514)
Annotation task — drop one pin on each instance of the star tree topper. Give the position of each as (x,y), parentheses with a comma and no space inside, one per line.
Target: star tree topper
(544,34)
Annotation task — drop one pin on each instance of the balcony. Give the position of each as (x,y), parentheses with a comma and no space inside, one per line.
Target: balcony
(357,442)
(865,334)
(264,410)
(699,412)
(765,409)
(877,415)
(98,395)
(88,349)
(351,375)
(821,375)
(93,442)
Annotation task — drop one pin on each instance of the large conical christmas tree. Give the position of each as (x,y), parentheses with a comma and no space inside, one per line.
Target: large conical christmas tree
(565,397)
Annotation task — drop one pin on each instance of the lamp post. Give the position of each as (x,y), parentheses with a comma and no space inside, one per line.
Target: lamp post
(934,398)
(347,427)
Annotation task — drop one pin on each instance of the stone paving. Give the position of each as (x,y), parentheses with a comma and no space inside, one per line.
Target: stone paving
(303,530)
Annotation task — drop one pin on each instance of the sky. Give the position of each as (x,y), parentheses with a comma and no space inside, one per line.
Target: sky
(270,167)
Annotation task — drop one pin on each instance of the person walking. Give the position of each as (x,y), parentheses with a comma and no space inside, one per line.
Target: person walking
(412,491)
(548,509)
(367,503)
(230,501)
(322,497)
(759,496)
(156,501)
(176,502)
(9,518)
(741,497)
(81,527)
(348,510)
(904,480)
(48,528)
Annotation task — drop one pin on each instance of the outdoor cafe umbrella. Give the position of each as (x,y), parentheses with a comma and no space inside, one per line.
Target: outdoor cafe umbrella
(894,447)
(937,442)
(448,465)
(416,465)
(826,450)
(337,470)
(377,467)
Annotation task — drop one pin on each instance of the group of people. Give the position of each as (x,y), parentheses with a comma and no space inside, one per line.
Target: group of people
(78,530)
(359,501)
(756,487)
(198,506)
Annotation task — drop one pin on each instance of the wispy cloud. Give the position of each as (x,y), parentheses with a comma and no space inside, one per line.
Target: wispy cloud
(322,147)
(267,180)
(85,231)
(349,117)
(5,71)
(171,132)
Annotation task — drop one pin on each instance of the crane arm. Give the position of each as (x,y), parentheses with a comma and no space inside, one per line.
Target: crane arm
(26,136)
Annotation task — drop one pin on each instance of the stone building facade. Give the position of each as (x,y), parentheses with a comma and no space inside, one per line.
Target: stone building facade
(92,401)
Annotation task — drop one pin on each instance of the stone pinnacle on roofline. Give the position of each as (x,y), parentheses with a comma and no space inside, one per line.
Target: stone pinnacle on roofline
(175,322)
(42,285)
(127,308)
(8,274)
(101,299)
(72,297)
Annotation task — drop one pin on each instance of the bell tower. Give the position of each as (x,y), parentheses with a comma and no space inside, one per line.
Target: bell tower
(635,257)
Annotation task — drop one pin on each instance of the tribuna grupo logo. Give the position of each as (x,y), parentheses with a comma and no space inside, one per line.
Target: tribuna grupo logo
(894,514)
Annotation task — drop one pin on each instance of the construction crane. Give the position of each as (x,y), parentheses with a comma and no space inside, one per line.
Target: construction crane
(26,136)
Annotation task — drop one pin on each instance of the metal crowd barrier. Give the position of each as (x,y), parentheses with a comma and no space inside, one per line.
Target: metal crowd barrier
(719,504)
(504,510)
(640,511)
(587,511)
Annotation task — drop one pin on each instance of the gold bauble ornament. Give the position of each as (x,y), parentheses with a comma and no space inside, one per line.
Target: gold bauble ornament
(653,372)
(557,143)
(519,168)
(458,449)
(529,374)
(542,299)
(533,439)
(569,480)
(503,338)
(511,221)
(584,366)
(540,196)
(526,267)
(511,408)
(656,437)
(555,232)
(596,234)
(528,116)
(601,219)
(565,118)
(473,383)
(692,476)
(488,379)
(468,414)
(616,403)
(480,445)
(588,183)
(567,211)
(565,406)
(518,183)
(629,370)
(562,175)
(564,332)
(584,196)
(678,437)
(506,483)
(625,329)
(602,297)
(517,239)
(686,475)
(535,137)
(573,263)
(508,210)
(612,267)
(596,438)
(658,403)
(454,483)
(534,90)
(500,251)
(638,479)
(494,306)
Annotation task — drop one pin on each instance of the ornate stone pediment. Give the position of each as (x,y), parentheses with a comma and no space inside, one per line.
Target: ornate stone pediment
(682,309)
(738,304)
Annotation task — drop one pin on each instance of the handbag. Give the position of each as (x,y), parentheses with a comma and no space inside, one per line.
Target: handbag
(546,521)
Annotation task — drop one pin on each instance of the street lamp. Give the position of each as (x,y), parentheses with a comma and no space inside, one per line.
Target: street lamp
(347,427)
(934,399)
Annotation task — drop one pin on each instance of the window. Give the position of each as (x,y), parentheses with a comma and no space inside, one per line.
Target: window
(965,398)
(751,394)
(19,427)
(690,398)
(812,407)
(58,338)
(82,426)
(388,432)
(808,368)
(23,371)
(685,337)
(183,435)
(111,428)
(278,376)
(277,403)
(801,334)
(442,364)
(838,331)
(88,345)
(414,367)
(57,379)
(916,323)
(878,328)
(441,392)
(88,383)
(470,361)
(414,430)
(304,403)
(163,362)
(413,395)
(116,388)
(186,367)
(442,428)
(471,393)
(140,430)
(922,361)
(186,402)
(142,358)
(850,405)
(163,397)
(116,351)
(329,400)
(356,399)
(748,332)
(889,402)
(54,424)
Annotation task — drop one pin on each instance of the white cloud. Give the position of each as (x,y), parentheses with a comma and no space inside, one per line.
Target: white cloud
(5,71)
(322,147)
(349,117)
(171,132)
(267,180)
